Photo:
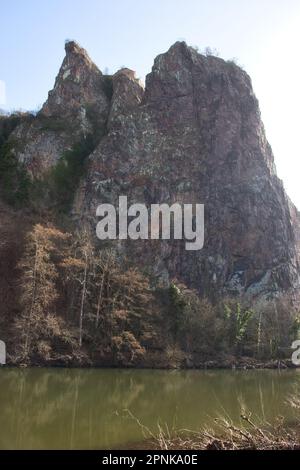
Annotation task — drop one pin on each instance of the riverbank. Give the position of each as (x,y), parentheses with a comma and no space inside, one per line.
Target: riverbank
(227,436)
(228,362)
(238,439)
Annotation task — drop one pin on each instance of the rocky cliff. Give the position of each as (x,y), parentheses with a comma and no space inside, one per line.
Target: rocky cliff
(193,135)
(77,106)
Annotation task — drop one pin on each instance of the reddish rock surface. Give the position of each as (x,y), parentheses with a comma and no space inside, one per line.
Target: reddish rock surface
(197,137)
(77,104)
(194,135)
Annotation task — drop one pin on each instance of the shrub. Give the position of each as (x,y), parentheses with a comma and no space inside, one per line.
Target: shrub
(108,86)
(127,349)
(237,321)
(10,122)
(55,124)
(64,178)
(15,182)
(277,326)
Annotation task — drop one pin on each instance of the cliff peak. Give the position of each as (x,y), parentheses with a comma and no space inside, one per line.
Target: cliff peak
(74,53)
(72,46)
(78,84)
(77,106)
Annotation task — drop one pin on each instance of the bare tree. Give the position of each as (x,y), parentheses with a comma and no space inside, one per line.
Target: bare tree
(38,282)
(103,264)
(78,266)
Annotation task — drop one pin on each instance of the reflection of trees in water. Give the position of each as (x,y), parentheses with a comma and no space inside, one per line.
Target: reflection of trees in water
(63,407)
(32,402)
(72,408)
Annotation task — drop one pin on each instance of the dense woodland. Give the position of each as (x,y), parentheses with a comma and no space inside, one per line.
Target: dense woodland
(81,303)
(84,305)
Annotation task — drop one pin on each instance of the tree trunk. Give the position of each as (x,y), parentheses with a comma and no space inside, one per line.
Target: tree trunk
(83,294)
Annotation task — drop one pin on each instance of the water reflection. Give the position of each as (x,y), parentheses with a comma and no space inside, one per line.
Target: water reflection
(75,408)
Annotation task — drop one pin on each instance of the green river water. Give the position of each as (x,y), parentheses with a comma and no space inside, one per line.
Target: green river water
(43,408)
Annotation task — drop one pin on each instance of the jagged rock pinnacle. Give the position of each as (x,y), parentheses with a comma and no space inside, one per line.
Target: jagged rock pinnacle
(72,46)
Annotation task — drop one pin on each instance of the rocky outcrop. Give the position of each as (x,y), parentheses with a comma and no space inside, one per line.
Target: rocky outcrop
(193,135)
(197,137)
(127,94)
(77,106)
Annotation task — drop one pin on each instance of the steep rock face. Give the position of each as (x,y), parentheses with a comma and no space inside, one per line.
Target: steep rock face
(79,84)
(196,136)
(78,103)
(127,94)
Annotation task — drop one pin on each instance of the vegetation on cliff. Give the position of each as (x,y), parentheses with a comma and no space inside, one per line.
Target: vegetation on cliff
(81,304)
(14,179)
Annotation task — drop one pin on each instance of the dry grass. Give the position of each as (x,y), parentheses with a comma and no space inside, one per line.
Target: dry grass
(226,435)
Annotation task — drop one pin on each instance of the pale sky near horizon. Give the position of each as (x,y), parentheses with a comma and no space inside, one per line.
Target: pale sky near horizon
(264,36)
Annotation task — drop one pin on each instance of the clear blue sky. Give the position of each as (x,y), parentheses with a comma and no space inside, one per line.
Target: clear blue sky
(264,35)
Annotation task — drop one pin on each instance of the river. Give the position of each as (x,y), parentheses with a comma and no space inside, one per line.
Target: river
(49,408)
